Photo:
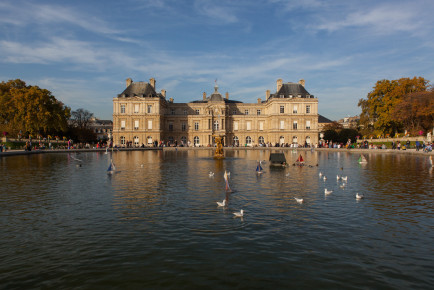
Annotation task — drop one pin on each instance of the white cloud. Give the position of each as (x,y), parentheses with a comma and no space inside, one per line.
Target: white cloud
(216,11)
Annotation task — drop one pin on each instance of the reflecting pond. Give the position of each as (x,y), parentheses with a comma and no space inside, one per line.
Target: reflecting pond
(155,223)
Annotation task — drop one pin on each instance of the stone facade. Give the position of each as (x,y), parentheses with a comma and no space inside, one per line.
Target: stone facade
(141,115)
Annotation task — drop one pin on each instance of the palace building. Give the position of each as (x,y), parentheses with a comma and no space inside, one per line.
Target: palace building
(141,115)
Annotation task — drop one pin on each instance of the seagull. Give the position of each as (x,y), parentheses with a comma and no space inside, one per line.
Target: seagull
(320,174)
(239,214)
(338,177)
(299,200)
(327,191)
(344,178)
(359,196)
(223,203)
(325,178)
(211,174)
(342,186)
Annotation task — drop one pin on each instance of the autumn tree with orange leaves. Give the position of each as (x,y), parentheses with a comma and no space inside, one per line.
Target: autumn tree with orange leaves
(379,110)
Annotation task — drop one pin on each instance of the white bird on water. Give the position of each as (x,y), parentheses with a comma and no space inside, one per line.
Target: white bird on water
(344,178)
(327,191)
(338,177)
(342,186)
(359,196)
(223,203)
(211,174)
(299,200)
(320,174)
(325,178)
(239,214)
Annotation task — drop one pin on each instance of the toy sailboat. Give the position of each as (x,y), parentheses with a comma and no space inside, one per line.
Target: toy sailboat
(362,159)
(112,168)
(299,161)
(259,168)
(227,182)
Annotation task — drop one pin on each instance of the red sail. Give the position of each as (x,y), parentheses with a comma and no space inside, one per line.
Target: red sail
(300,159)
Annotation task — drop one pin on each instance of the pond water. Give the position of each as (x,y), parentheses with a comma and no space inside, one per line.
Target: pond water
(155,222)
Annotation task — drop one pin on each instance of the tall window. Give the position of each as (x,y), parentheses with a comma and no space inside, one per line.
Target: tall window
(197,111)
(184,140)
(149,124)
(261,140)
(123,125)
(307,109)
(196,141)
(196,126)
(258,112)
(183,126)
(282,124)
(261,125)
(136,108)
(122,109)
(149,109)
(294,125)
(236,125)
(136,141)
(234,112)
(282,109)
(172,111)
(308,124)
(295,140)
(295,109)
(246,112)
(308,140)
(170,126)
(248,125)
(149,140)
(282,139)
(236,141)
(216,125)
(248,140)
(122,140)
(136,124)
(185,111)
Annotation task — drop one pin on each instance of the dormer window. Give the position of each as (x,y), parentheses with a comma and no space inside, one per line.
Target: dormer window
(282,96)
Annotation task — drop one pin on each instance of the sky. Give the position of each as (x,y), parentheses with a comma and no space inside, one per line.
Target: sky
(83,51)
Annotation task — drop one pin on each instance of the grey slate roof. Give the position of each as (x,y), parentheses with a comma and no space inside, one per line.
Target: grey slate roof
(322,119)
(289,90)
(216,97)
(139,89)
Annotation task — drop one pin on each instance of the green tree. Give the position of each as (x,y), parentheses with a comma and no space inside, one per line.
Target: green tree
(378,108)
(31,109)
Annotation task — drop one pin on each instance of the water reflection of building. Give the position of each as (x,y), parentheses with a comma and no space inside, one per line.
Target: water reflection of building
(142,115)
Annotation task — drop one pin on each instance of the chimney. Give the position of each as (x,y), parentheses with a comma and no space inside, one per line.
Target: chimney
(129,82)
(267,95)
(279,84)
(204,96)
(227,96)
(301,82)
(152,82)
(163,92)
(259,100)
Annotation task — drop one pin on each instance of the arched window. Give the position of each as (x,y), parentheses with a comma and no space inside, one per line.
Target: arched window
(136,141)
(196,141)
(216,125)
(295,140)
(282,140)
(308,140)
(236,141)
(184,140)
(149,140)
(248,140)
(171,139)
(122,140)
(261,140)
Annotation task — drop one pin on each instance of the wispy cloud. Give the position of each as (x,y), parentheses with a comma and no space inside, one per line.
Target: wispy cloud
(220,12)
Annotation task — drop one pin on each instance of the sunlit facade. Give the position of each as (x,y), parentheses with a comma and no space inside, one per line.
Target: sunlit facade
(141,115)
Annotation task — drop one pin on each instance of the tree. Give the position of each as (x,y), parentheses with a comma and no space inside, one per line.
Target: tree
(335,126)
(416,111)
(31,109)
(81,118)
(331,135)
(378,108)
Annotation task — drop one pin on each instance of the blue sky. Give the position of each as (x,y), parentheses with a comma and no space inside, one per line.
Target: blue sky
(83,51)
